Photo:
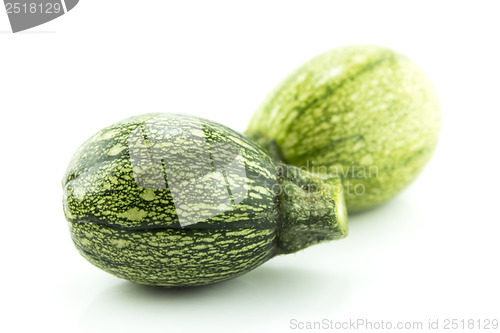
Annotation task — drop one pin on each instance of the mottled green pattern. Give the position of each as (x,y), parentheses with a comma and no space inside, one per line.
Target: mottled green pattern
(175,200)
(365,113)
(173,257)
(100,186)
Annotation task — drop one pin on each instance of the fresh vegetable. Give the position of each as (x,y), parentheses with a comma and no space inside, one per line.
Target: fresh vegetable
(176,200)
(364,113)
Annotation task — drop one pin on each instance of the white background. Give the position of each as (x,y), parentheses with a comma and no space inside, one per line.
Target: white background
(432,252)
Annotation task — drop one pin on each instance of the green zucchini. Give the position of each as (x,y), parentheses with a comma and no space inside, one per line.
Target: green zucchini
(176,200)
(365,113)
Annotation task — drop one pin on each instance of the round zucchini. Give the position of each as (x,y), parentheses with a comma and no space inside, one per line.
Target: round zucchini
(176,200)
(363,113)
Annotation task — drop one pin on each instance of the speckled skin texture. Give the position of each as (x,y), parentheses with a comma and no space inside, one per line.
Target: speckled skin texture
(176,200)
(364,113)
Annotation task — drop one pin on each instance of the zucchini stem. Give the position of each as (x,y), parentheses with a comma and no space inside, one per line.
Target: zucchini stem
(311,208)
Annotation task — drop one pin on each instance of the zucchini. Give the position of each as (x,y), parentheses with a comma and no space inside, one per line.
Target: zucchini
(176,200)
(365,113)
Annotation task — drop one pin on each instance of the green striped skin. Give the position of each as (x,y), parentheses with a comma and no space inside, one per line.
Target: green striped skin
(364,113)
(174,257)
(176,200)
